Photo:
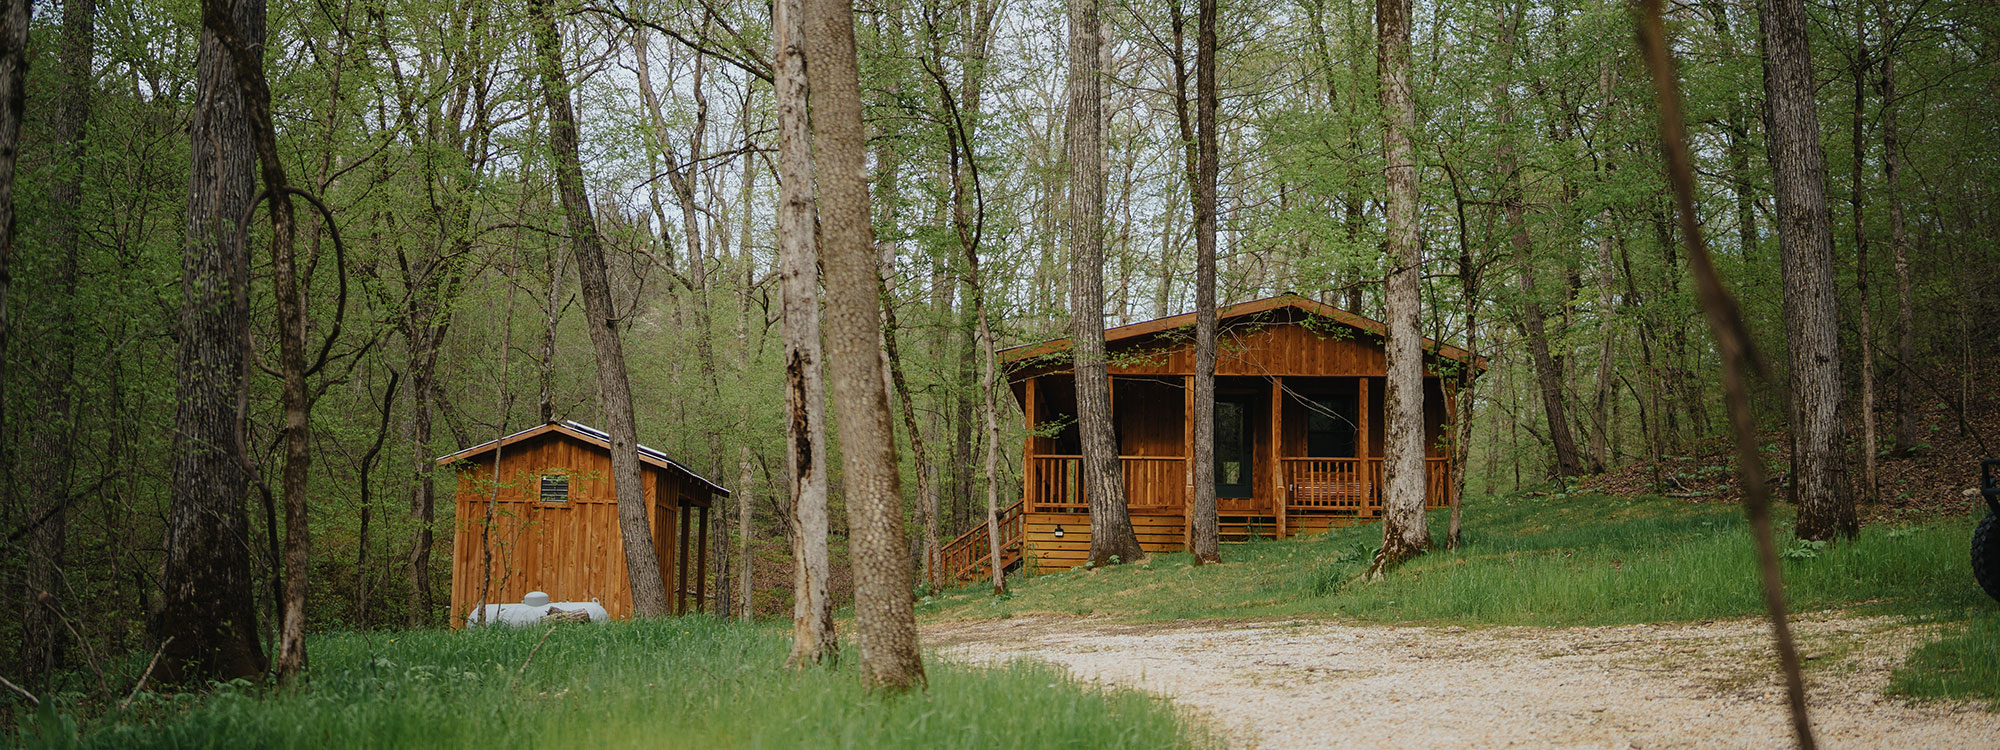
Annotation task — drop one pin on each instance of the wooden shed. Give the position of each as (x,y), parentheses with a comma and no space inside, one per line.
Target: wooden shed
(555,522)
(1298,430)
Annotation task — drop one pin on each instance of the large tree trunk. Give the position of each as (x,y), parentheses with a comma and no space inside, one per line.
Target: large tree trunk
(1404,534)
(14,17)
(208,620)
(1856,201)
(1906,323)
(884,610)
(1205,539)
(1111,533)
(642,566)
(805,392)
(243,39)
(43,634)
(1798,173)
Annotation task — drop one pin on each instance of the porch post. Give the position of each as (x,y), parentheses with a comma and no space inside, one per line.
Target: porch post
(1363,450)
(1187,462)
(1278,489)
(1029,409)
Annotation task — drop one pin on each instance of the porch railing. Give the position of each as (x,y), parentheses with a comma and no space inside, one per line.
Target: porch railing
(1151,483)
(1353,486)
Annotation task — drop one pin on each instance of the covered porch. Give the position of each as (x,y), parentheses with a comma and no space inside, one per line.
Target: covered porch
(1293,455)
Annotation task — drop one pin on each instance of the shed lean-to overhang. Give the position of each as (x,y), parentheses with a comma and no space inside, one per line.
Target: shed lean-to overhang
(1027,356)
(584,433)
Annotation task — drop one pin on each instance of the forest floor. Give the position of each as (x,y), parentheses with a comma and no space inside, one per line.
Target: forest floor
(1311,683)
(1937,476)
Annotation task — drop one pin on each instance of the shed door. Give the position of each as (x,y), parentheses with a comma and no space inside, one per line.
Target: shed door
(1232,445)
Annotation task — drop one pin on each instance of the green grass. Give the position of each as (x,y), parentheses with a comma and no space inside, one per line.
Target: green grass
(665,683)
(1965,663)
(1551,561)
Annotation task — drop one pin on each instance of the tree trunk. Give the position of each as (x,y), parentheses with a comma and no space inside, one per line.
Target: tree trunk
(813,639)
(208,611)
(1906,324)
(43,636)
(1111,535)
(1404,534)
(884,610)
(642,566)
(745,523)
(1470,276)
(1607,279)
(927,496)
(424,335)
(552,305)
(243,39)
(1205,541)
(14,18)
(1870,486)
(1548,369)
(1798,174)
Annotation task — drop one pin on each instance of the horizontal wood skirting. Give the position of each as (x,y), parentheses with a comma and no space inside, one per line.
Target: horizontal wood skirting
(1157,533)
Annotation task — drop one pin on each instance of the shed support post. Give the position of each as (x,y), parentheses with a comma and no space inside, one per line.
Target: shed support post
(701,564)
(1278,489)
(681,591)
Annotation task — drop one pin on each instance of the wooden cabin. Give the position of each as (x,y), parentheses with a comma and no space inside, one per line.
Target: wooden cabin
(555,522)
(1298,430)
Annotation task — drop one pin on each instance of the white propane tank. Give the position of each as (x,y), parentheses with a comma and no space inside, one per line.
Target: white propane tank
(531,610)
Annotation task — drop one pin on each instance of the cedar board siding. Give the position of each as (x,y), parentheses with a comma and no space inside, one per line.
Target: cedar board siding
(572,551)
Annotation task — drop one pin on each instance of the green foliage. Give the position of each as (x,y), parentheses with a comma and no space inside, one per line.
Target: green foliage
(690,682)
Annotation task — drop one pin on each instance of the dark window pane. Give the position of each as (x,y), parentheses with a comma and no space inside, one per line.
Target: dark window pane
(1232,447)
(1330,428)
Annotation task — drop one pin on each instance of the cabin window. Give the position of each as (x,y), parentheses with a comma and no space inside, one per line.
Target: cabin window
(555,488)
(1330,428)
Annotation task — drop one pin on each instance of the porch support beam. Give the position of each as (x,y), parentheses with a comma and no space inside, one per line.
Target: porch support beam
(1029,408)
(1187,462)
(1363,451)
(1278,489)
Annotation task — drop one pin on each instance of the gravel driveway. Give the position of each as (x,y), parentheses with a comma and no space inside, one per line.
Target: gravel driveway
(1317,684)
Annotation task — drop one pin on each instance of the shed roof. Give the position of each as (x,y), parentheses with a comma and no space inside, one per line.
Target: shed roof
(587,434)
(1241,309)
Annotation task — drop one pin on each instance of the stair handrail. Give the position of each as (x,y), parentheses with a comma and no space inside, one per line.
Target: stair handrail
(1010,535)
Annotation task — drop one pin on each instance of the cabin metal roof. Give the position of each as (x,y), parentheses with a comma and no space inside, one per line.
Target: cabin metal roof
(585,433)
(1014,354)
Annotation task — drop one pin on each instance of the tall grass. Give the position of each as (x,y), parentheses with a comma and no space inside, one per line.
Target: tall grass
(691,683)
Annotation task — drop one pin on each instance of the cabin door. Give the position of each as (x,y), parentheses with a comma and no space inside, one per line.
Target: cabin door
(1232,445)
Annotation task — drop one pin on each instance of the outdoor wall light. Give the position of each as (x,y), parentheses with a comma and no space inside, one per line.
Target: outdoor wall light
(1059,532)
